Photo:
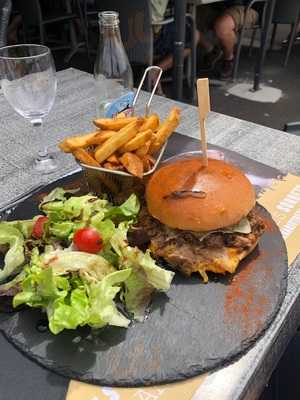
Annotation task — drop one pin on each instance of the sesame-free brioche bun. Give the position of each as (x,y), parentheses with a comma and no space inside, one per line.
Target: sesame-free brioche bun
(189,196)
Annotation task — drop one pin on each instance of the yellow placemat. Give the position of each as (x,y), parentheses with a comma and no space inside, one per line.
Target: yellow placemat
(282,200)
(181,390)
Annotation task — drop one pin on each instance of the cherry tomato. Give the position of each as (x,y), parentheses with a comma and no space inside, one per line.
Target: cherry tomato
(88,240)
(38,227)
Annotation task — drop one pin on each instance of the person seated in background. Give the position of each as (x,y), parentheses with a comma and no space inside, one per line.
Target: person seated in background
(226,26)
(164,38)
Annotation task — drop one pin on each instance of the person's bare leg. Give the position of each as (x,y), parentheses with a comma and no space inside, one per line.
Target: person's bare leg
(225,31)
(204,43)
(167,63)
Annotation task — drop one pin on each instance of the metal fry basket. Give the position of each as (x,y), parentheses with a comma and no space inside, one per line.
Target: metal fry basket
(102,180)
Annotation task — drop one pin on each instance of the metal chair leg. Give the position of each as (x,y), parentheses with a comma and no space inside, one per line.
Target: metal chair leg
(252,41)
(42,33)
(73,35)
(148,82)
(188,66)
(237,54)
(239,45)
(84,27)
(193,57)
(291,42)
(274,31)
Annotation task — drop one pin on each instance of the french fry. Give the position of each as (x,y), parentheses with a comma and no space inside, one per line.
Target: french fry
(84,157)
(151,159)
(64,147)
(138,141)
(148,162)
(114,124)
(142,151)
(118,140)
(75,142)
(101,137)
(113,159)
(165,130)
(123,143)
(151,122)
(115,167)
(133,164)
(121,115)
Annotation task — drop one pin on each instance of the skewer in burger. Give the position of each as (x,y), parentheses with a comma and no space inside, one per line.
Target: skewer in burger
(199,218)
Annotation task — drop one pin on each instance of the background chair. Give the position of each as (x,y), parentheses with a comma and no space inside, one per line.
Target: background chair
(36,25)
(5,10)
(286,12)
(260,26)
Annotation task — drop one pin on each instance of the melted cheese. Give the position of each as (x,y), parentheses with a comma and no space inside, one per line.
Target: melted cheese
(217,260)
(227,262)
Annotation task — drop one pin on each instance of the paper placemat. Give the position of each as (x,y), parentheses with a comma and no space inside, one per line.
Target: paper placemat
(181,390)
(282,200)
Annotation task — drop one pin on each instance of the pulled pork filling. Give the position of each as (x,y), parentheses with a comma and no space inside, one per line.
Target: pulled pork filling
(189,251)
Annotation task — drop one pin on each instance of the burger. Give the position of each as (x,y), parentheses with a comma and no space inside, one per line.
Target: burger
(201,218)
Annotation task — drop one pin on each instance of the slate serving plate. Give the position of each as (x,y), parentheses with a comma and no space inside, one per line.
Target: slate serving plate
(193,328)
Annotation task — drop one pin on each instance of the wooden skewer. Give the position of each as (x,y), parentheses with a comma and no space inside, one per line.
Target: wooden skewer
(203,108)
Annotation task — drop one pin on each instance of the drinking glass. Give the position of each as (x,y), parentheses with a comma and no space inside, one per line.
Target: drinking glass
(29,84)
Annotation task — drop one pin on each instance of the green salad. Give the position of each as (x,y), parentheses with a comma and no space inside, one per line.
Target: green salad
(74,262)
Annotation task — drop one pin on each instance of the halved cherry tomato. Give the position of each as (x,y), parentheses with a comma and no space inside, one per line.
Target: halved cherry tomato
(38,227)
(88,240)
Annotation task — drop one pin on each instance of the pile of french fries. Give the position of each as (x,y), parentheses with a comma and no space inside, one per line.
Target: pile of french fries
(123,143)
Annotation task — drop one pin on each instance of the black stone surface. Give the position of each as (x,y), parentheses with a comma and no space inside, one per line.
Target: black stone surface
(194,328)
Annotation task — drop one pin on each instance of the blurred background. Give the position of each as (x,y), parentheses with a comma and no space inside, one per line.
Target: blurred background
(70,29)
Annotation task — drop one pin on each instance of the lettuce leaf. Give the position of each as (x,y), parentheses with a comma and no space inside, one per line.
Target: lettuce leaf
(61,230)
(92,267)
(145,278)
(106,228)
(11,287)
(128,210)
(71,301)
(23,226)
(40,287)
(58,193)
(103,308)
(69,314)
(66,215)
(14,257)
(80,208)
(146,275)
(137,295)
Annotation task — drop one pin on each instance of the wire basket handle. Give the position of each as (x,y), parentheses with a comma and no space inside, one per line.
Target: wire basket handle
(153,67)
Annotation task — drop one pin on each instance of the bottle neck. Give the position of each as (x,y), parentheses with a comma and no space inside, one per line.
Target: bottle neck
(109,24)
(110,31)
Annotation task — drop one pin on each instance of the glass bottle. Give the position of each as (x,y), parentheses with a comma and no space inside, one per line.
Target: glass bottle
(112,71)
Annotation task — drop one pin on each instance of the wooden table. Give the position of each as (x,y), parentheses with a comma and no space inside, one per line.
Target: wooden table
(74,108)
